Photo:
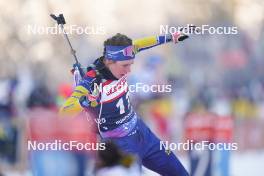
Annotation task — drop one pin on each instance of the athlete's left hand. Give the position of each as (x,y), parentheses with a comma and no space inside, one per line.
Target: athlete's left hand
(182,34)
(178,37)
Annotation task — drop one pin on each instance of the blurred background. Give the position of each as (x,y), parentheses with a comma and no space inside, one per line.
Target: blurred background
(212,76)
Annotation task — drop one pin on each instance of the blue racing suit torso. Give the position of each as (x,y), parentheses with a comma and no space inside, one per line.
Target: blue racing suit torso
(115,115)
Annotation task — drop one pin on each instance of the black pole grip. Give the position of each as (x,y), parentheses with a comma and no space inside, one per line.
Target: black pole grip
(60,19)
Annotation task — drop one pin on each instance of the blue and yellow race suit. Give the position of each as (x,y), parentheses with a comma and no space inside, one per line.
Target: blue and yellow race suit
(118,121)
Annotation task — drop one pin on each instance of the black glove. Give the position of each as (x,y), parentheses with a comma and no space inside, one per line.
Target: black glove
(181,35)
(84,102)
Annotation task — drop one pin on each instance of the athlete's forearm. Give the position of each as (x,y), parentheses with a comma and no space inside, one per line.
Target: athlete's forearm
(149,42)
(72,105)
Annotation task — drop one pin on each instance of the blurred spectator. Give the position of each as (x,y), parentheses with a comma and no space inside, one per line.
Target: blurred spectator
(8,131)
(41,97)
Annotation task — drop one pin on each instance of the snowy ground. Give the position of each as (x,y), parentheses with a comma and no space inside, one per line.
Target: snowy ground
(242,164)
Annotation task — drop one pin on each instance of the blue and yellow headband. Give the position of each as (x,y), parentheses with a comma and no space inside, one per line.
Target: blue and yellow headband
(119,53)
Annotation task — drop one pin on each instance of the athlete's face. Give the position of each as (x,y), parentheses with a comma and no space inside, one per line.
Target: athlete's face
(119,68)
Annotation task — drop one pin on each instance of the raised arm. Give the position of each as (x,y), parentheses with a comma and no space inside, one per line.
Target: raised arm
(149,42)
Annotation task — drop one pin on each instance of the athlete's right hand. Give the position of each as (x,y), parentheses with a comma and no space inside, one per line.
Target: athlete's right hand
(90,82)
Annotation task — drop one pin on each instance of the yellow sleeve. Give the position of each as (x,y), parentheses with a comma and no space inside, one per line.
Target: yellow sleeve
(72,106)
(152,41)
(144,43)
